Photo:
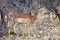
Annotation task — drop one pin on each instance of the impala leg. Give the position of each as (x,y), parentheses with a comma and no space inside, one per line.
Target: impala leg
(14,28)
(27,25)
(8,35)
(27,28)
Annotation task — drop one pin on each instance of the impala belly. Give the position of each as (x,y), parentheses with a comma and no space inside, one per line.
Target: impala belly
(20,20)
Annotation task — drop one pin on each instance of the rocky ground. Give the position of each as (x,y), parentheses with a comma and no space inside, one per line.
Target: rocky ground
(45,27)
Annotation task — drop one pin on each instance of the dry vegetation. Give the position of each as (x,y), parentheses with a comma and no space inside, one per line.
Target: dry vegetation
(30,20)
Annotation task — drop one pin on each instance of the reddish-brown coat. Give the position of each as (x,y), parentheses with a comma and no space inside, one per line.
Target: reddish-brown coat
(27,18)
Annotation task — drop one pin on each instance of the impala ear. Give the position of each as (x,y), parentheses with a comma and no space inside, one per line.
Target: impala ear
(33,12)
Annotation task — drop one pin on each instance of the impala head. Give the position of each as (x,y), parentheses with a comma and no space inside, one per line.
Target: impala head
(33,13)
